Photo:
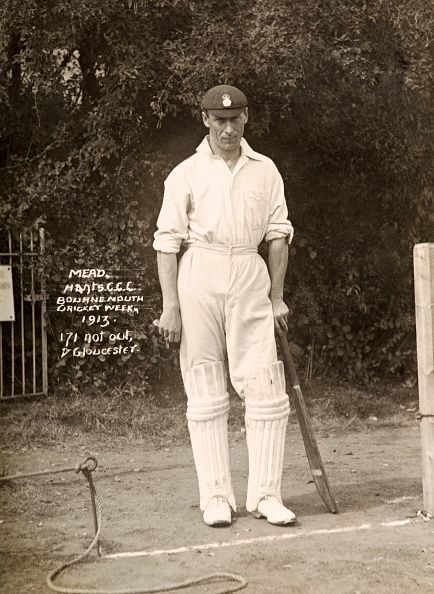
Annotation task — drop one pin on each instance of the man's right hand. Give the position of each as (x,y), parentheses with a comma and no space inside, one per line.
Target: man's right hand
(170,324)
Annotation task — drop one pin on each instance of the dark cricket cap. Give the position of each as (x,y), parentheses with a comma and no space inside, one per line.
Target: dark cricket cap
(224,101)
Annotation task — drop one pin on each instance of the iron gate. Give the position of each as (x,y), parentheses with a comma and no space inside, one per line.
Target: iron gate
(23,342)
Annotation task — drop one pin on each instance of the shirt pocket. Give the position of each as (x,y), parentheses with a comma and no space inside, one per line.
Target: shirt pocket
(255,209)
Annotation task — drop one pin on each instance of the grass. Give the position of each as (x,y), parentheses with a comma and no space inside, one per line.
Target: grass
(157,417)
(118,415)
(346,400)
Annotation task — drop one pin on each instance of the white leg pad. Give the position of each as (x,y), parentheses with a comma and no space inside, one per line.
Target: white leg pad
(207,415)
(267,410)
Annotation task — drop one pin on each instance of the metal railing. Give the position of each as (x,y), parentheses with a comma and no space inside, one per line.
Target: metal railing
(23,342)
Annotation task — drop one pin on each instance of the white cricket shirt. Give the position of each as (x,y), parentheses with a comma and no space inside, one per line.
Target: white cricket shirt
(206,202)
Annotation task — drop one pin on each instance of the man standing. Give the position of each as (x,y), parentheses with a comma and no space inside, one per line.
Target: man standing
(220,204)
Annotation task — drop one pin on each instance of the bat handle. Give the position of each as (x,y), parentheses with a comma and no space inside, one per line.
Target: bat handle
(287,357)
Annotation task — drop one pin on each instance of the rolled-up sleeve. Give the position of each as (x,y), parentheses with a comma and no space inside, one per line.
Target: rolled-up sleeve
(172,222)
(278,224)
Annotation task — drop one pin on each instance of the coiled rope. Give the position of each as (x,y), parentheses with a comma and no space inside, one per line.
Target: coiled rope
(87,467)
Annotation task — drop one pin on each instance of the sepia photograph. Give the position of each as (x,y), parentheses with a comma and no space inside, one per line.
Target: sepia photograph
(216,297)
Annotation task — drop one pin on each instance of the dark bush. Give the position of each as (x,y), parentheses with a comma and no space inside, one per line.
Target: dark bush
(98,101)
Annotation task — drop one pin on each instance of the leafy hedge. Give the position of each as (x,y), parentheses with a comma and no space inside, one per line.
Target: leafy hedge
(99,101)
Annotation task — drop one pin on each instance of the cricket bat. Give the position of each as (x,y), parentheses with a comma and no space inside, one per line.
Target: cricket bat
(314,457)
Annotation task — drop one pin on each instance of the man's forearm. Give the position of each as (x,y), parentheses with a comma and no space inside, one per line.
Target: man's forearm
(277,265)
(168,273)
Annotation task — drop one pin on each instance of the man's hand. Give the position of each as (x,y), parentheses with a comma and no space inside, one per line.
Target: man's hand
(170,324)
(280,312)
(277,264)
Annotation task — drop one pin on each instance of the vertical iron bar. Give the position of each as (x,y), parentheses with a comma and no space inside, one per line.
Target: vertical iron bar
(32,294)
(12,325)
(23,349)
(43,315)
(1,359)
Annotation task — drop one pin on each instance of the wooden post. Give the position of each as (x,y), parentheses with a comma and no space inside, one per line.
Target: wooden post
(424,295)
(44,347)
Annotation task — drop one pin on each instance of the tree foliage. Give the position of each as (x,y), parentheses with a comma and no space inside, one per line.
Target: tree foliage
(99,100)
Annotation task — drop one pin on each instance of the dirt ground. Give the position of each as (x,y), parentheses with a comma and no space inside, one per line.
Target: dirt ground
(377,543)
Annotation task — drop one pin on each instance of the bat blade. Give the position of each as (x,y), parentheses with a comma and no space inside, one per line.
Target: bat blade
(312,451)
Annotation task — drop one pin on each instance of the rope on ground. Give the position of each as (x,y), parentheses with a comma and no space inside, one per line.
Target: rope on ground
(21,475)
(87,467)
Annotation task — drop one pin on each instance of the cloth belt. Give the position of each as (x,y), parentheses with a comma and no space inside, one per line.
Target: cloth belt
(226,249)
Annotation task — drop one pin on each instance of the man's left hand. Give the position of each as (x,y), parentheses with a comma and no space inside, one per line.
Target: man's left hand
(280,312)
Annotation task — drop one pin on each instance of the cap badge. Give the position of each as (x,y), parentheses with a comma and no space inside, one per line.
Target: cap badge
(226,100)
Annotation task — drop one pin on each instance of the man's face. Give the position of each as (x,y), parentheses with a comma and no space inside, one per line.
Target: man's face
(225,133)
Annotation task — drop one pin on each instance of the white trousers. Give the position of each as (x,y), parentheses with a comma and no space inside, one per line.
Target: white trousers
(226,311)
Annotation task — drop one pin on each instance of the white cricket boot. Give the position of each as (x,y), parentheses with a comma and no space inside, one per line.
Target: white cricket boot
(267,410)
(274,512)
(207,414)
(217,512)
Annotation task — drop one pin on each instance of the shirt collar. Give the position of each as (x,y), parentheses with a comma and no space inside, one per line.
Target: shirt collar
(246,149)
